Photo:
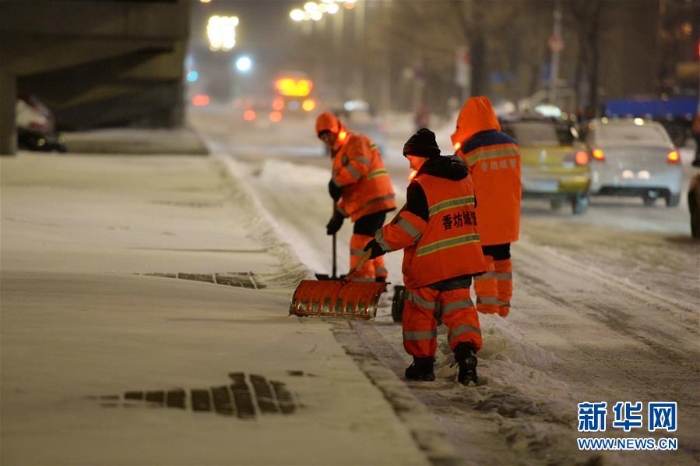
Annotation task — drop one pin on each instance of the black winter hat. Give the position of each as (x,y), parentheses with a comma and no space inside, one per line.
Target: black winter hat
(422,144)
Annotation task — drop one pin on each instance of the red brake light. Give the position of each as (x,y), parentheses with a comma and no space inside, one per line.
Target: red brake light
(581,158)
(278,103)
(673,157)
(598,155)
(249,115)
(201,100)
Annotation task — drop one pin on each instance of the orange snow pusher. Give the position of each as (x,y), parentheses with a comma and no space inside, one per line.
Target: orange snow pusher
(338,298)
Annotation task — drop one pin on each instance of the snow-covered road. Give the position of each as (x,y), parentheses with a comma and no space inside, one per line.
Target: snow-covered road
(606,308)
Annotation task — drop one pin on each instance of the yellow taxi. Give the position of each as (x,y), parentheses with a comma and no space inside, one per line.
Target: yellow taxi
(552,168)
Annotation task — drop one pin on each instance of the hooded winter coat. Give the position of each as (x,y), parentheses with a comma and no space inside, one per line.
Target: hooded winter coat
(493,159)
(437,225)
(358,172)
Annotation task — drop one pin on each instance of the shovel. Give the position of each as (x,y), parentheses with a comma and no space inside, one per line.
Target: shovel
(325,276)
(338,298)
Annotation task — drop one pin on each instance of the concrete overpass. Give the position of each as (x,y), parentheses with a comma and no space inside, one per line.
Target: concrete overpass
(94,63)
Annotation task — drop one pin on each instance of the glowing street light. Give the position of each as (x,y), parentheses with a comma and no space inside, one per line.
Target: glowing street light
(315,11)
(310,7)
(297,15)
(221,32)
(244,64)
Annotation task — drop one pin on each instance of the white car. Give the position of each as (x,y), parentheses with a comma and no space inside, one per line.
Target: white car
(632,157)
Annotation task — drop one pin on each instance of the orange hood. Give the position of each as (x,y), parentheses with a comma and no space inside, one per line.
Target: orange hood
(476,116)
(329,122)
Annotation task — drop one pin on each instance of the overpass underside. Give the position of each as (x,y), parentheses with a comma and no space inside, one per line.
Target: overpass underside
(94,63)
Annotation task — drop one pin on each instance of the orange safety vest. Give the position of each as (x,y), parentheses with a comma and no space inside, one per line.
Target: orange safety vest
(445,247)
(493,159)
(366,186)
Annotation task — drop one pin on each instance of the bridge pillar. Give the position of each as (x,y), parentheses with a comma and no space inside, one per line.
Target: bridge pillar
(8,101)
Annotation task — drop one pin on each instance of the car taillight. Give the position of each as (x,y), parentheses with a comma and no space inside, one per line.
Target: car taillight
(673,157)
(278,104)
(249,115)
(581,158)
(598,155)
(201,100)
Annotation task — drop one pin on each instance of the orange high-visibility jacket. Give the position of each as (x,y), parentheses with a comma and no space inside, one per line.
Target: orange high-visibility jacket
(447,245)
(493,159)
(358,168)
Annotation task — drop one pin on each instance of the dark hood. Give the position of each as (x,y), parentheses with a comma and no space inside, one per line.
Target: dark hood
(449,167)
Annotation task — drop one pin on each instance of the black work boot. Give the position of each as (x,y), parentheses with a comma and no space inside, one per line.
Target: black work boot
(421,369)
(465,357)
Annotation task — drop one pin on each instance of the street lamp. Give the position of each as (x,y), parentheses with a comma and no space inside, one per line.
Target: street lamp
(244,64)
(313,11)
(296,15)
(221,32)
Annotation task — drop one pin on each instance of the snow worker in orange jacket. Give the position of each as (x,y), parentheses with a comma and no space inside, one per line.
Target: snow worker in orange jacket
(493,160)
(361,188)
(438,231)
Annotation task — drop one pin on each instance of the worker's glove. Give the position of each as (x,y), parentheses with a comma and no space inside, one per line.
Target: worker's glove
(334,223)
(334,190)
(375,248)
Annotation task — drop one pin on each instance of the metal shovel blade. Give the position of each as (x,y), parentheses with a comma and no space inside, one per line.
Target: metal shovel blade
(336,298)
(325,276)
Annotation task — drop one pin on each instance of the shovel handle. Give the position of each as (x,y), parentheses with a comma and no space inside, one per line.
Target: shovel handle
(360,263)
(334,257)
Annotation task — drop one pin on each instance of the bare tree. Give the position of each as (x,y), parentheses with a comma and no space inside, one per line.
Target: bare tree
(587,18)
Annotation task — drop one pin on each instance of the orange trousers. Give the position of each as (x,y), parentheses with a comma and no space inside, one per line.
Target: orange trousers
(455,308)
(372,269)
(504,280)
(494,289)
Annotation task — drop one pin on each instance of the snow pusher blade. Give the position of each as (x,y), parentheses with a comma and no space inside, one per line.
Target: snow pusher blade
(338,298)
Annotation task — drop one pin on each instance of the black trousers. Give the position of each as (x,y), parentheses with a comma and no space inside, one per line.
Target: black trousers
(499,252)
(369,224)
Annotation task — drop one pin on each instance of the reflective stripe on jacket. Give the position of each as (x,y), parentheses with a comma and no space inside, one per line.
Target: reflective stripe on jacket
(359,170)
(444,247)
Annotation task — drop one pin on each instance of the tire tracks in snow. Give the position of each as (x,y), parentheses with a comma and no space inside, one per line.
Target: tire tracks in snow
(622,343)
(571,327)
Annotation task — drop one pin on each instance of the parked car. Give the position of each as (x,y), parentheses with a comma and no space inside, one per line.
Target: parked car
(551,167)
(633,157)
(36,129)
(36,140)
(358,116)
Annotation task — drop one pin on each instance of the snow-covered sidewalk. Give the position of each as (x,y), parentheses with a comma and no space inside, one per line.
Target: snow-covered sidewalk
(144,321)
